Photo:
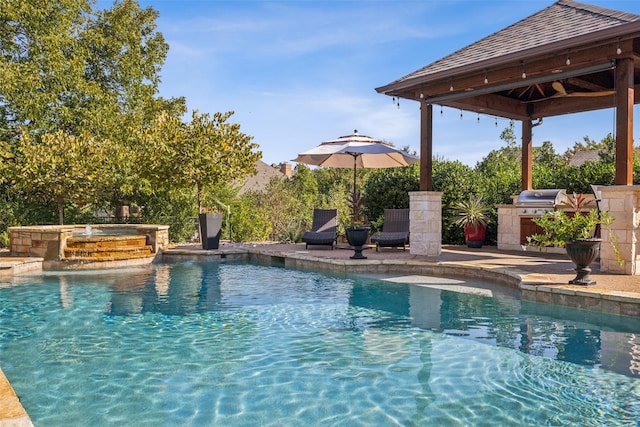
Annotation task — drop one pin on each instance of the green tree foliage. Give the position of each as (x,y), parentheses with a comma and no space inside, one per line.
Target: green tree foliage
(205,152)
(59,167)
(389,189)
(456,181)
(547,166)
(65,67)
(500,170)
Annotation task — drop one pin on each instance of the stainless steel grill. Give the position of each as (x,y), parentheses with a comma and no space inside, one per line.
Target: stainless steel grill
(539,202)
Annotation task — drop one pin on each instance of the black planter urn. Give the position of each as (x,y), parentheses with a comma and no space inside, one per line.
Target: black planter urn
(357,237)
(210,226)
(583,252)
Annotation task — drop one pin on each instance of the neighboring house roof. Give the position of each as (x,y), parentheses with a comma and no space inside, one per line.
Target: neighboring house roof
(259,181)
(561,25)
(580,157)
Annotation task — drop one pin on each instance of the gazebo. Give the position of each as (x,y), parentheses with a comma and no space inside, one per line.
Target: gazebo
(567,58)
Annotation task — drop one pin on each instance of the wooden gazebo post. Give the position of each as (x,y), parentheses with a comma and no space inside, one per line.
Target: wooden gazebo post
(425,217)
(527,155)
(624,121)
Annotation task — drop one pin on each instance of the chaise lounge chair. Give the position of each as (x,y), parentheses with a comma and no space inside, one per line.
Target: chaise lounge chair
(324,228)
(395,230)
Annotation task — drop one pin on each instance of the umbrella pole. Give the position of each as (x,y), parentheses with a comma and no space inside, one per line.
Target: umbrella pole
(355,162)
(354,197)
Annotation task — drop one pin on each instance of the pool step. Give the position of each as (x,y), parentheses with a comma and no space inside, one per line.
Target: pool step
(107,248)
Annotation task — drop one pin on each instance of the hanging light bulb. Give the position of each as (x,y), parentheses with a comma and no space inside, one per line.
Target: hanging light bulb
(524,71)
(486,77)
(451,86)
(421,95)
(568,62)
(441,111)
(618,50)
(478,118)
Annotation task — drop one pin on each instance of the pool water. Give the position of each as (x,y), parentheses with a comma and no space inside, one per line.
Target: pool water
(207,344)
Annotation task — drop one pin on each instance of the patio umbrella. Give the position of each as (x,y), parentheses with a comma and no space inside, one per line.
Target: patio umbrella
(353,151)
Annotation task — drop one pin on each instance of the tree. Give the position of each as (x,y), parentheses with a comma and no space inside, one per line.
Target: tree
(500,170)
(547,166)
(59,167)
(67,67)
(389,188)
(195,155)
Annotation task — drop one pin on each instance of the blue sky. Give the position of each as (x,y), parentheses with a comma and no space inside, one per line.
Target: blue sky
(297,73)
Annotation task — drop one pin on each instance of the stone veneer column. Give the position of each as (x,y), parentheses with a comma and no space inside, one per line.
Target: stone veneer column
(425,222)
(508,228)
(623,203)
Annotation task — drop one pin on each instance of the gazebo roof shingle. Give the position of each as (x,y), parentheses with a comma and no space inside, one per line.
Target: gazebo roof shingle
(564,23)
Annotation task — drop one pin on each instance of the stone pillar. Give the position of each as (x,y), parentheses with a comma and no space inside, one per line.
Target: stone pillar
(508,228)
(623,203)
(425,222)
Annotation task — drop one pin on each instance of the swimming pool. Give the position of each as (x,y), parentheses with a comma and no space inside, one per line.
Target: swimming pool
(202,344)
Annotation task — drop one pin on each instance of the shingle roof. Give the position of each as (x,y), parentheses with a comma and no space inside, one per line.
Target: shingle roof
(259,181)
(562,21)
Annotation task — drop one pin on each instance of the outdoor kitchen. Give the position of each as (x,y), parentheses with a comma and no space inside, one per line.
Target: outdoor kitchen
(515,221)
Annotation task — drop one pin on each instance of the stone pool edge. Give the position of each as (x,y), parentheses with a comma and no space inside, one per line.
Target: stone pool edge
(12,413)
(534,287)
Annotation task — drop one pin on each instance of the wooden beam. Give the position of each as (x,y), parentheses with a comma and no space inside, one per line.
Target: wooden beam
(624,121)
(527,155)
(492,104)
(426,147)
(540,65)
(569,105)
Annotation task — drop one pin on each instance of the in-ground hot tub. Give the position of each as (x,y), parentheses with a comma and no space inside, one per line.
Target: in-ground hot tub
(89,246)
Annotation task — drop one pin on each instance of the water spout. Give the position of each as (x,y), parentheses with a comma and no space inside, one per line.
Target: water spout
(87,230)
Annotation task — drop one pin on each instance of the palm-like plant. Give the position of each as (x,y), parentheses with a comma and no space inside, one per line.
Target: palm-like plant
(471,212)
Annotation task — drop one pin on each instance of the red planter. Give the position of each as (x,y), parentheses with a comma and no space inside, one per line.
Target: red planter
(474,236)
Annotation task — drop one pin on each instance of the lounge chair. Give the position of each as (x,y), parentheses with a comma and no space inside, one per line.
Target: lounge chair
(324,228)
(395,230)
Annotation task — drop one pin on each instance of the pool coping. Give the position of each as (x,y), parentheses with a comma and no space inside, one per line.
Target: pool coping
(534,287)
(12,413)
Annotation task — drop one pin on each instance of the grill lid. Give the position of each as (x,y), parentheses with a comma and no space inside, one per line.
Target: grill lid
(541,198)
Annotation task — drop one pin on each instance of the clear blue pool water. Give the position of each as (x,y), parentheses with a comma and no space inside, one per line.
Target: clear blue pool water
(206,344)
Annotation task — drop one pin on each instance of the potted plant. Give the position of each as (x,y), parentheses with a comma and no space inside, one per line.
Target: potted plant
(210,221)
(473,215)
(576,233)
(357,233)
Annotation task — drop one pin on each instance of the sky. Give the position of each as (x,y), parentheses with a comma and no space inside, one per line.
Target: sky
(300,72)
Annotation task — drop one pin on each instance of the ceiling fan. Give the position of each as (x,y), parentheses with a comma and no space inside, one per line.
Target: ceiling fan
(561,92)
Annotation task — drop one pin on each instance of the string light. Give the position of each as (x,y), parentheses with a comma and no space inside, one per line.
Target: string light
(524,71)
(421,95)
(460,114)
(451,86)
(618,50)
(568,62)
(486,77)
(478,118)
(441,111)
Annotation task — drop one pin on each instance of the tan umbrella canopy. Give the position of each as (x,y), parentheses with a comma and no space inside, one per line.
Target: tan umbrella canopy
(356,151)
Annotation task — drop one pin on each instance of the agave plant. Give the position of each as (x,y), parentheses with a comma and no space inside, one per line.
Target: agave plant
(471,212)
